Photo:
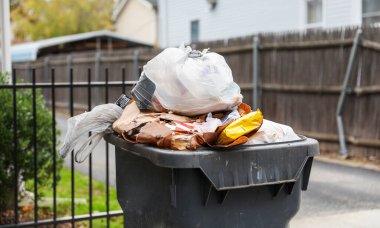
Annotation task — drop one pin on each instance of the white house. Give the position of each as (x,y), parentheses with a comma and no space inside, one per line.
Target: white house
(136,19)
(204,20)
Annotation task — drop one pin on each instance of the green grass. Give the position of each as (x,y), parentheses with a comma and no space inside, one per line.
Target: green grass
(81,192)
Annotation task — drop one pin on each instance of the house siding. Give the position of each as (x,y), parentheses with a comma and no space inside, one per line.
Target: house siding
(339,12)
(243,17)
(137,21)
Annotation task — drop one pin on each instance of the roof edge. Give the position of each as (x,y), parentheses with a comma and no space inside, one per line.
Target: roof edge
(118,9)
(28,51)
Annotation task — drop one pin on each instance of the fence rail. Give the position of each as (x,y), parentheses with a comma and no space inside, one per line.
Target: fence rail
(62,220)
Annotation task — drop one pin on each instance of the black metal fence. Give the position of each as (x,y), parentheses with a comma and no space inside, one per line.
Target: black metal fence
(52,87)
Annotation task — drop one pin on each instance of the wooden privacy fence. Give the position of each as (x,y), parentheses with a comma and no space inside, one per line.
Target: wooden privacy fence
(299,78)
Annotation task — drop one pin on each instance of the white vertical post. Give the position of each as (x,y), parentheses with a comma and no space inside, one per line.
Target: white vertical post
(255,72)
(5,37)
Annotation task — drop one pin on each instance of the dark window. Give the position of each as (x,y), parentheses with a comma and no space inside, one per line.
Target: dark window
(194,31)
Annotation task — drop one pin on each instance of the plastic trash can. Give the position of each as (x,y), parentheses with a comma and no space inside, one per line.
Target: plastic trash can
(243,186)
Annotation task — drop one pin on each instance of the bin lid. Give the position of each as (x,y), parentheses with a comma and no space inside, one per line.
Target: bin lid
(234,167)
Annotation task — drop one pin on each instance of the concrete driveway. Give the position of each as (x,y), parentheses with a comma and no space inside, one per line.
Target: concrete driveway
(338,196)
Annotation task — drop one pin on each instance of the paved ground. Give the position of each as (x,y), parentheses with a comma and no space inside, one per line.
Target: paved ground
(358,219)
(338,196)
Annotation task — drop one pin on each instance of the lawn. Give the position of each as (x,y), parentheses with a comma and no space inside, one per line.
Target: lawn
(81,196)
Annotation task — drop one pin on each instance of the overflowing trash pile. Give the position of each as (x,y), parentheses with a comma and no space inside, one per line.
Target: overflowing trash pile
(184,99)
(179,132)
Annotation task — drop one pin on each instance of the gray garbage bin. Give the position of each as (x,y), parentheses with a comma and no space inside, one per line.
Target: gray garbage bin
(243,186)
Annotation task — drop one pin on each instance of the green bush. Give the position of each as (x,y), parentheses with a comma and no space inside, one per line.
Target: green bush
(25,151)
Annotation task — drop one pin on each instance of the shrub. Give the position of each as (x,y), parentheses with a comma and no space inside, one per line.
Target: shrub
(25,151)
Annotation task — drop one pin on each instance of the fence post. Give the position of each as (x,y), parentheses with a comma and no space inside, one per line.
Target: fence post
(109,45)
(136,64)
(255,72)
(347,77)
(27,72)
(5,38)
(46,77)
(97,76)
(68,67)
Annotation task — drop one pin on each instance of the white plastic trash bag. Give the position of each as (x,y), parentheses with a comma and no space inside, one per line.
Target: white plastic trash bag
(98,121)
(191,82)
(272,132)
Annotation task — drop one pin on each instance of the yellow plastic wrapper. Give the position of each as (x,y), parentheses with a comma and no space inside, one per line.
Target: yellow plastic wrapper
(242,126)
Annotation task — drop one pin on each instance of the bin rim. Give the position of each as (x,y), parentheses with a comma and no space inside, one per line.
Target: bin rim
(235,167)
